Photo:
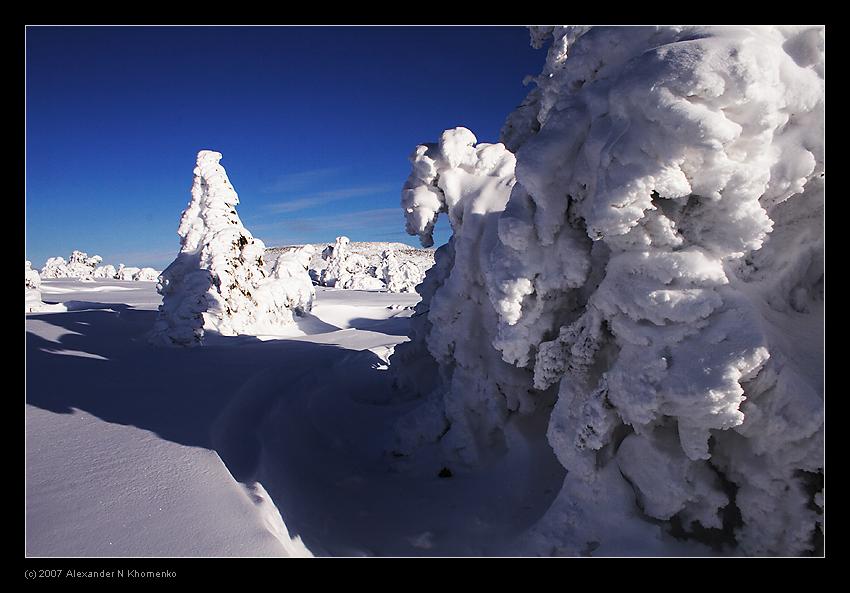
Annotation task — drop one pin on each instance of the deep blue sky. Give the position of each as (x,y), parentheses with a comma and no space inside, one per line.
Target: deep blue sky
(315,125)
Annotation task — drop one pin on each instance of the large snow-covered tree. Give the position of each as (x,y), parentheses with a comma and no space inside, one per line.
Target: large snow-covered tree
(217,282)
(654,269)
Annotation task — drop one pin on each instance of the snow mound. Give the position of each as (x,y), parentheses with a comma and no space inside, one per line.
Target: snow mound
(217,282)
(654,268)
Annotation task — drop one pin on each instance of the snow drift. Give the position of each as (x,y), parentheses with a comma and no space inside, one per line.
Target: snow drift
(651,264)
(217,283)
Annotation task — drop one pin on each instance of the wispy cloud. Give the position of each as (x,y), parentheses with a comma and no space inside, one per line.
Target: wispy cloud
(309,229)
(300,180)
(325,197)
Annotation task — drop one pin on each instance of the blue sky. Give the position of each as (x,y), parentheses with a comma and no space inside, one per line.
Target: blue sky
(315,125)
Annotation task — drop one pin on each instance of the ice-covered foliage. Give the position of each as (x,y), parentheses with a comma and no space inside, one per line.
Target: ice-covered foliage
(31,278)
(79,265)
(146,275)
(107,271)
(658,270)
(32,283)
(126,272)
(398,276)
(290,282)
(32,293)
(471,183)
(346,269)
(217,283)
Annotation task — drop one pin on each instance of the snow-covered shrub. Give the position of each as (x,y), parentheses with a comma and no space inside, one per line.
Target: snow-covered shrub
(146,275)
(55,267)
(32,293)
(289,281)
(398,276)
(31,278)
(217,281)
(657,270)
(345,269)
(32,284)
(126,272)
(79,265)
(107,271)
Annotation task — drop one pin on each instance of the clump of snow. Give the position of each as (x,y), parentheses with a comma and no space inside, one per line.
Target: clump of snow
(218,283)
(657,271)
(398,276)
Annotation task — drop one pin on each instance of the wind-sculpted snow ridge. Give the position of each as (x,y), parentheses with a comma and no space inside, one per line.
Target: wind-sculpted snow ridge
(658,271)
(217,283)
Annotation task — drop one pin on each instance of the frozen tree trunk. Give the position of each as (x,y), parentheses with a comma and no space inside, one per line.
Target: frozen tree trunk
(216,283)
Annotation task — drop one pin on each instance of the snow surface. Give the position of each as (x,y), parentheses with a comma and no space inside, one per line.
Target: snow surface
(251,447)
(649,278)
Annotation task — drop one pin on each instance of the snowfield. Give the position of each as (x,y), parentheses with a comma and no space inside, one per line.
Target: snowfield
(246,446)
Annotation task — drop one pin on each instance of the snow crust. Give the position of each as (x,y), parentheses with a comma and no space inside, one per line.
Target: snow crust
(650,262)
(218,283)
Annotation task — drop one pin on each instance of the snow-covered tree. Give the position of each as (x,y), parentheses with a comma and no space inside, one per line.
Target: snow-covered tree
(32,293)
(79,265)
(216,282)
(55,267)
(126,272)
(398,276)
(289,282)
(346,269)
(146,275)
(107,271)
(654,269)
(32,284)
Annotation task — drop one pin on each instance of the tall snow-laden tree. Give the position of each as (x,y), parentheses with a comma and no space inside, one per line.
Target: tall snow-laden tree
(216,283)
(654,277)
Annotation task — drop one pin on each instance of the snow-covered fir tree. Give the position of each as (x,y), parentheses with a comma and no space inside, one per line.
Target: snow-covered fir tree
(216,283)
